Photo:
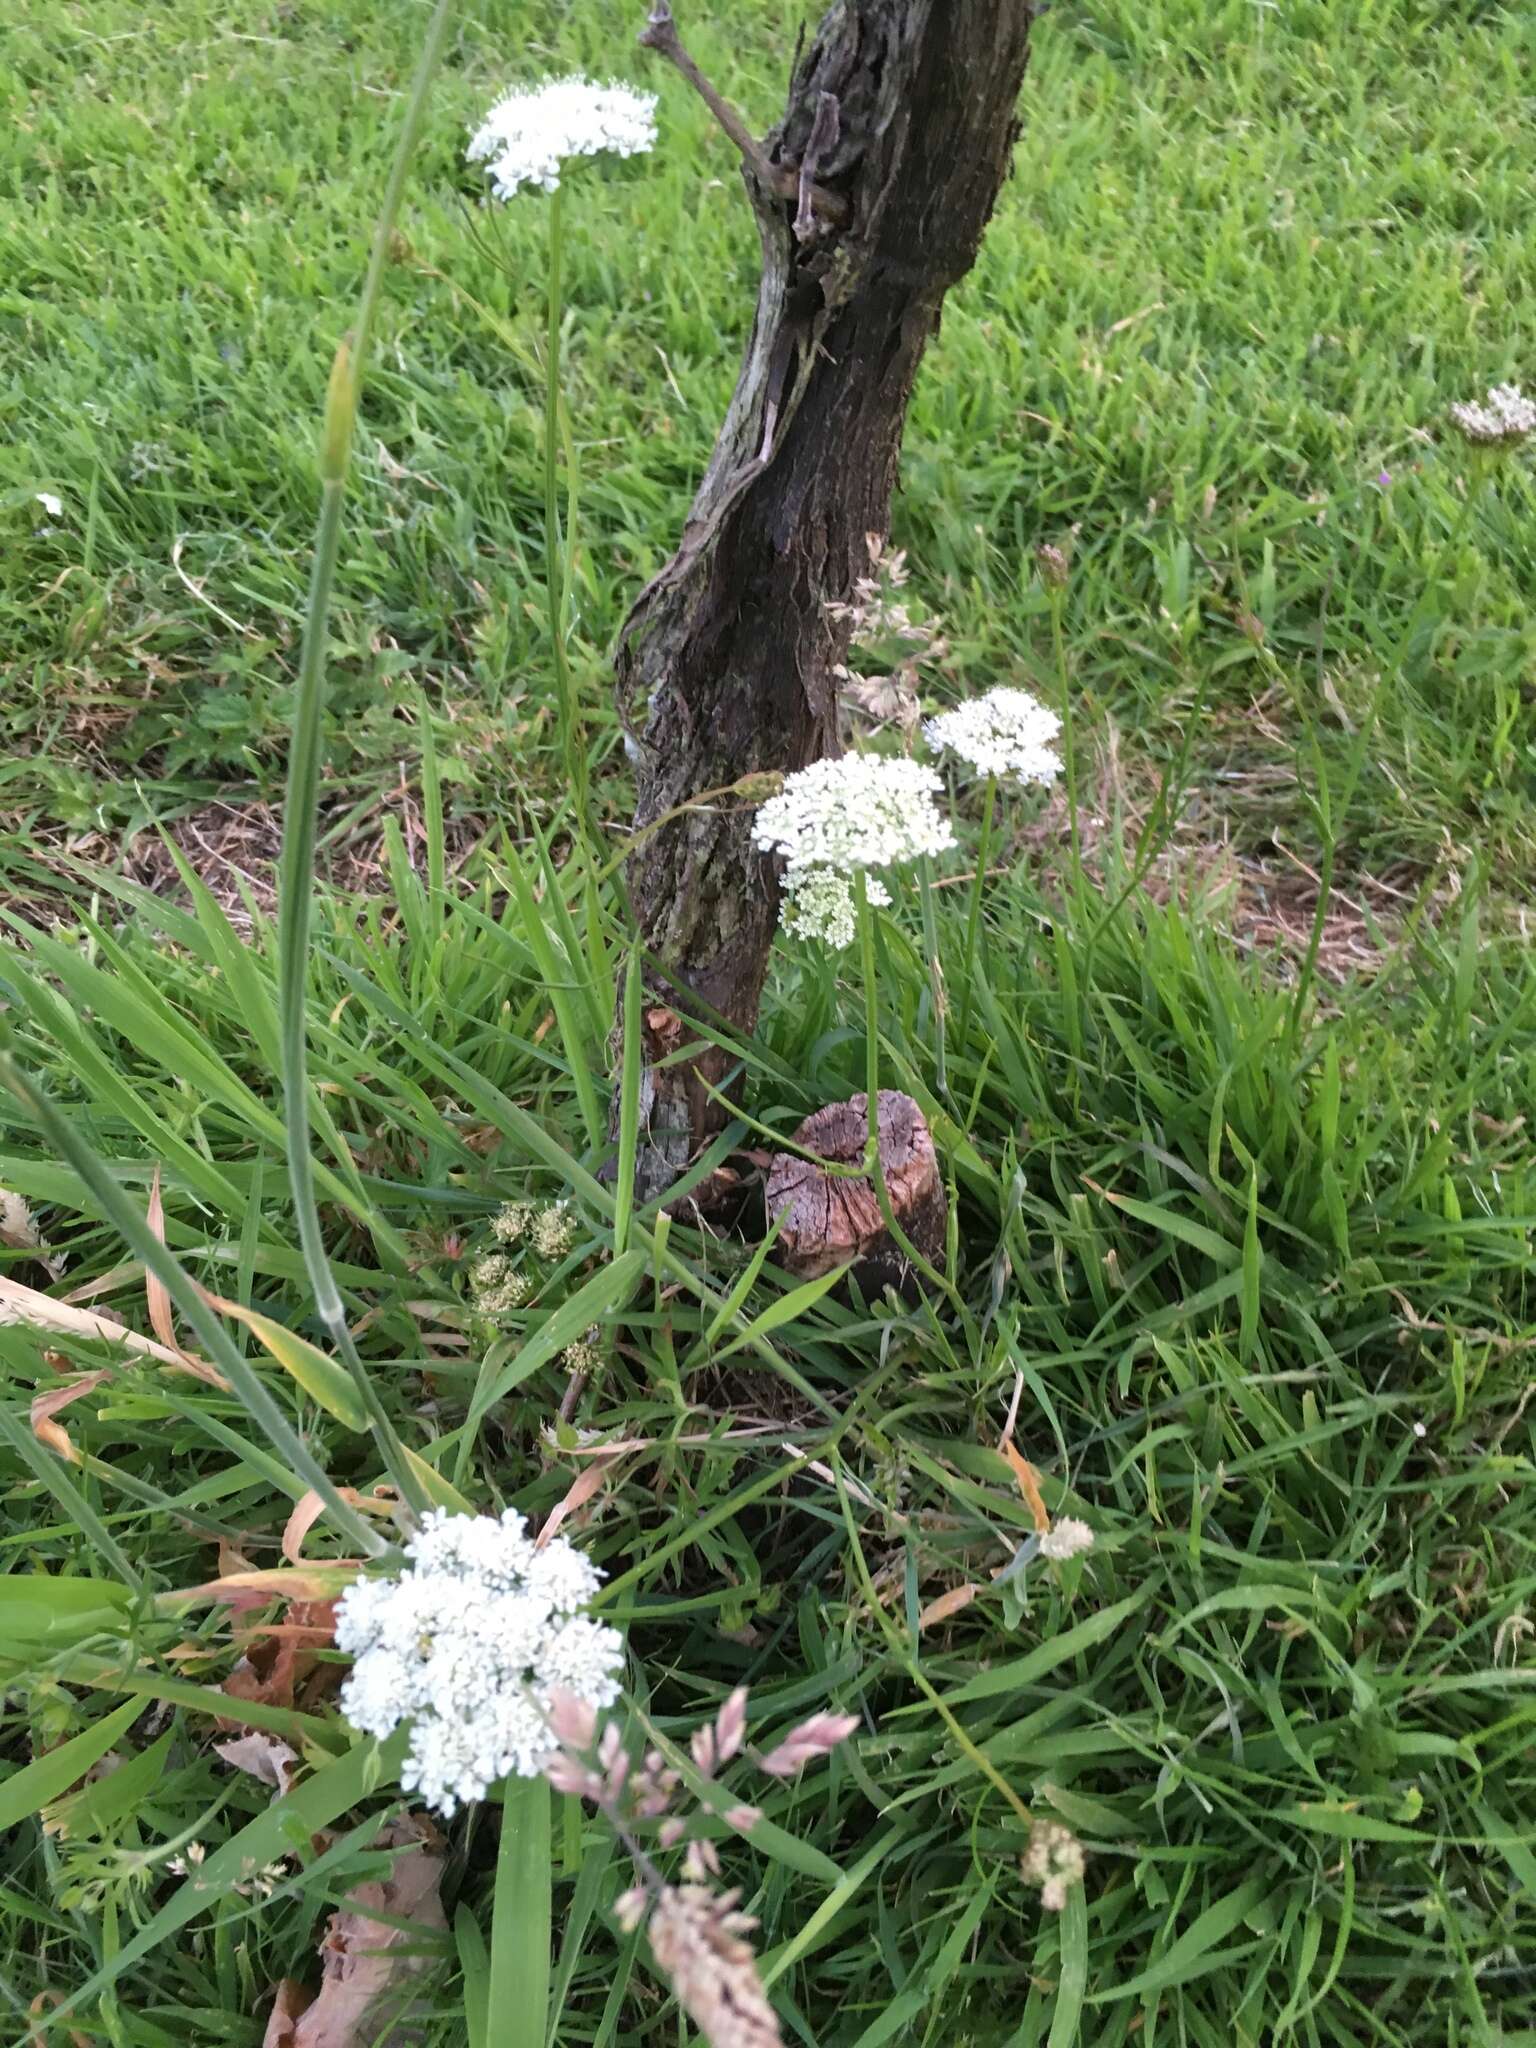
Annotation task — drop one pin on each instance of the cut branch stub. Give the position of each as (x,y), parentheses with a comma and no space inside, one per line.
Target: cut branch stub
(832,1220)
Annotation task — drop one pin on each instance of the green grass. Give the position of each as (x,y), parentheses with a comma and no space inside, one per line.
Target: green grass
(1255,1244)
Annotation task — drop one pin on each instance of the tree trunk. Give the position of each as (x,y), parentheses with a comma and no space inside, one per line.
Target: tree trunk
(901,117)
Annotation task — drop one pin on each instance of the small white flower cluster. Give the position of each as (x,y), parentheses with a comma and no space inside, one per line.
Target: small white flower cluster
(1006,733)
(851,812)
(1508,416)
(527,136)
(549,1227)
(819,905)
(1066,1538)
(1054,1860)
(468,1645)
(497,1286)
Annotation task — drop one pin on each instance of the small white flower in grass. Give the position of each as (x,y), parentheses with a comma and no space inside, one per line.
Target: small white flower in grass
(1054,1860)
(1508,415)
(470,1645)
(553,1231)
(534,130)
(819,905)
(853,812)
(1066,1538)
(497,1285)
(512,1222)
(1006,733)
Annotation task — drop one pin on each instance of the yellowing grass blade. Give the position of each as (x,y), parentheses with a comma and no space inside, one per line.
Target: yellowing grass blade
(321,1377)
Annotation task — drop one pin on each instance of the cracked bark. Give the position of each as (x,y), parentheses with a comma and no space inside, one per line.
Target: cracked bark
(725,663)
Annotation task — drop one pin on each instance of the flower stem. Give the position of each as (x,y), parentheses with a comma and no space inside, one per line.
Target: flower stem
(973,919)
(1068,735)
(555,579)
(297,866)
(935,974)
(874,1164)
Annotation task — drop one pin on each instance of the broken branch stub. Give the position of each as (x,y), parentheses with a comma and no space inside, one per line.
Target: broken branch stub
(832,1220)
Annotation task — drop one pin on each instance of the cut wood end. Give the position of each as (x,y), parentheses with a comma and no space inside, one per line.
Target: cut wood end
(831,1220)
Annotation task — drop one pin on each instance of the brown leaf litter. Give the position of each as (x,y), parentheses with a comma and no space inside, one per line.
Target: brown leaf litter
(1268,904)
(368,1963)
(232,845)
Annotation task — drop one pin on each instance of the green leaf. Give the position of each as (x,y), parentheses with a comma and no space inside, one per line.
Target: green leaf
(607,1290)
(1213,1926)
(1349,1826)
(1173,1224)
(321,1799)
(49,1777)
(51,1609)
(1047,1656)
(475,1962)
(94,1808)
(577,1917)
(1248,1330)
(441,1492)
(786,1309)
(522,1914)
(629,1105)
(321,1377)
(1072,1983)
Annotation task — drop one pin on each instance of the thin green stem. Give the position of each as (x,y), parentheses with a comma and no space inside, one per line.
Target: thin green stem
(973,917)
(1068,736)
(571,748)
(935,974)
(899,1648)
(875,1165)
(297,868)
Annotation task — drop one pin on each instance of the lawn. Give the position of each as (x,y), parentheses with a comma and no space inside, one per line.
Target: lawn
(1236,1117)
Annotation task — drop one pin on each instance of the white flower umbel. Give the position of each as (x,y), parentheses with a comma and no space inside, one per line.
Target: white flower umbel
(531,133)
(1006,733)
(1508,415)
(468,1645)
(837,817)
(854,811)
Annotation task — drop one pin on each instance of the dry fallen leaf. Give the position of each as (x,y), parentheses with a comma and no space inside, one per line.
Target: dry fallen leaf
(310,1507)
(287,2009)
(581,1490)
(281,1666)
(20,1304)
(949,1603)
(46,1406)
(155,1294)
(366,1963)
(1029,1485)
(267,1758)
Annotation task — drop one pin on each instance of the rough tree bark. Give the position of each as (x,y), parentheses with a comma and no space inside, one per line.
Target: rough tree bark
(871,196)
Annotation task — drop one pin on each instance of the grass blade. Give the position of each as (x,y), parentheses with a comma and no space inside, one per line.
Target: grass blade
(522,1915)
